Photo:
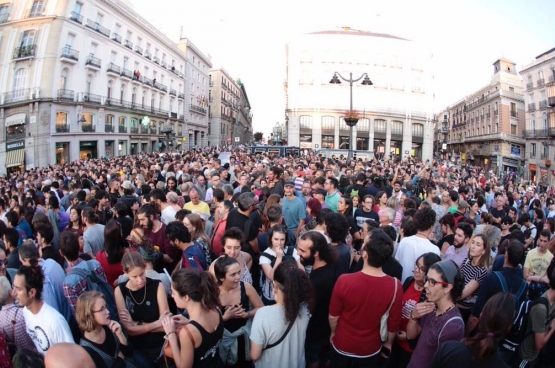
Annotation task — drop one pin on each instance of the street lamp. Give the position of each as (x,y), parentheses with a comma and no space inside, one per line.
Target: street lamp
(353,121)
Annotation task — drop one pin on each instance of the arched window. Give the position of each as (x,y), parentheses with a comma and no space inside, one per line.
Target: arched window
(305,121)
(397,127)
(328,123)
(380,126)
(418,130)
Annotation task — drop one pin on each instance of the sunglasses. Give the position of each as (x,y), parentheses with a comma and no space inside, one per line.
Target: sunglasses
(433,282)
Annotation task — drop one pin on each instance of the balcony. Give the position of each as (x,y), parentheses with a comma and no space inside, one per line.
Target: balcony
(35,11)
(76,17)
(160,112)
(134,130)
(148,55)
(128,44)
(93,62)
(541,82)
(19,95)
(113,69)
(116,37)
(147,81)
(164,65)
(174,71)
(122,129)
(97,27)
(91,98)
(202,111)
(160,86)
(126,73)
(143,129)
(181,75)
(532,107)
(69,55)
(529,86)
(156,60)
(173,92)
(543,104)
(495,112)
(181,96)
(24,52)
(181,117)
(535,133)
(88,128)
(108,128)
(66,94)
(62,128)
(138,49)
(153,131)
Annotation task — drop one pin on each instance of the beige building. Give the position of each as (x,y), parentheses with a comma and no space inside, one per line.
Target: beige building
(230,110)
(196,89)
(86,79)
(538,80)
(396,111)
(486,128)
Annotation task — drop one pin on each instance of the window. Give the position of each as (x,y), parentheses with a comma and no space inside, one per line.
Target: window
(37,8)
(77,8)
(397,127)
(305,122)
(328,123)
(4,12)
(379,126)
(533,150)
(513,109)
(109,120)
(20,82)
(342,124)
(363,126)
(27,38)
(513,129)
(417,130)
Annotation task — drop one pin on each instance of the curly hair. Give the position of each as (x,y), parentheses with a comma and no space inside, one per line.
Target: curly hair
(296,288)
(337,227)
(34,277)
(424,219)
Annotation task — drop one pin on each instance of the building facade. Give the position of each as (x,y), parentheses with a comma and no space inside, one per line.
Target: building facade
(86,79)
(538,80)
(486,128)
(196,105)
(396,111)
(230,110)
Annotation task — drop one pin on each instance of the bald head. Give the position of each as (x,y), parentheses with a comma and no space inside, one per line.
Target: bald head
(66,355)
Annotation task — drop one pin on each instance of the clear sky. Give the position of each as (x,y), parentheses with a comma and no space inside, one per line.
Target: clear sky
(248,37)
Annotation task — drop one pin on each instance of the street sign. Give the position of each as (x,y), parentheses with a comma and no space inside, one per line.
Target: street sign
(237,139)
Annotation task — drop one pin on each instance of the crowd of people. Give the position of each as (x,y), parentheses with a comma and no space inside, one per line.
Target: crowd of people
(180,260)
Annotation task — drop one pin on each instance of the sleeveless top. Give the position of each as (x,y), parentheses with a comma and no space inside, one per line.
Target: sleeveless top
(143,309)
(236,323)
(246,275)
(208,353)
(108,351)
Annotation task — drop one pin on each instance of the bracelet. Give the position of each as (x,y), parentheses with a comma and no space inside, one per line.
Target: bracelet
(147,328)
(168,334)
(411,316)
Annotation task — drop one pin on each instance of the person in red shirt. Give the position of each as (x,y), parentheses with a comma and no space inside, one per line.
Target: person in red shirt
(359,301)
(110,257)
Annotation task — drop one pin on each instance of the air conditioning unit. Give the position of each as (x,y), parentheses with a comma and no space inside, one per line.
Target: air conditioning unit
(85,98)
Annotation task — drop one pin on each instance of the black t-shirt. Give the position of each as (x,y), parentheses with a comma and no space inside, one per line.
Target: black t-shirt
(237,219)
(446,239)
(455,354)
(361,216)
(499,213)
(323,280)
(390,268)
(356,190)
(13,259)
(126,226)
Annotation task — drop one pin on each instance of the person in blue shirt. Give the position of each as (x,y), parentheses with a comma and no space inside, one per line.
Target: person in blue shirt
(180,237)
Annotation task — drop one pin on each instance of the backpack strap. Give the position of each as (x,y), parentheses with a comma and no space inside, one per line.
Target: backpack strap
(289,251)
(520,291)
(503,282)
(446,323)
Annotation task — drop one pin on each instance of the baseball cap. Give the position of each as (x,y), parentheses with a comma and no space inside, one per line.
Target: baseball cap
(463,205)
(289,183)
(320,191)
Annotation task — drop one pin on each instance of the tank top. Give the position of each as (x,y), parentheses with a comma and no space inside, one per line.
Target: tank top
(246,275)
(208,353)
(143,309)
(234,324)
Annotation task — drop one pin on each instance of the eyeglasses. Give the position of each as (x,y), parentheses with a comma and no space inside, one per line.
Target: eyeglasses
(418,268)
(101,310)
(433,282)
(4,262)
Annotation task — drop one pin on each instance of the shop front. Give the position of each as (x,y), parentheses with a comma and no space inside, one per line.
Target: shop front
(88,150)
(109,149)
(533,172)
(62,153)
(305,140)
(15,156)
(510,165)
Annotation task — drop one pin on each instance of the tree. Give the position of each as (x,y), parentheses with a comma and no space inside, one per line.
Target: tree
(258,136)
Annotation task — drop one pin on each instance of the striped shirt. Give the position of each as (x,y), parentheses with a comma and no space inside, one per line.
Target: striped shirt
(470,272)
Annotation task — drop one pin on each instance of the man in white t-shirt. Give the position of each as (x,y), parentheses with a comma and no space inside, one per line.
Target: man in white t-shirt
(412,247)
(45,325)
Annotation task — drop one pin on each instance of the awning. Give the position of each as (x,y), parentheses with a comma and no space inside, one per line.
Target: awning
(16,119)
(15,158)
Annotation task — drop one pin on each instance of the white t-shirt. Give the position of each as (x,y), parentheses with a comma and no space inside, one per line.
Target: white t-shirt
(168,215)
(46,328)
(267,286)
(408,251)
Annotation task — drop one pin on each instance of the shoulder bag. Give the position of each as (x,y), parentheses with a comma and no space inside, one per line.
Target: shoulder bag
(384,332)
(281,338)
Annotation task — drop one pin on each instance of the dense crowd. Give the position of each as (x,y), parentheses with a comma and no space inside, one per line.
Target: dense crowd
(181,260)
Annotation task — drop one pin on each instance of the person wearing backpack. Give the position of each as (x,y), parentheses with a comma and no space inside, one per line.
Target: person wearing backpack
(272,257)
(494,283)
(540,326)
(80,273)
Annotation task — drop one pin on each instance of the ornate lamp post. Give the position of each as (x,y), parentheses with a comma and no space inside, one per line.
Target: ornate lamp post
(351,118)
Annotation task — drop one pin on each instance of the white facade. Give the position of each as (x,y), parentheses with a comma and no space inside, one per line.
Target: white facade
(81,77)
(396,112)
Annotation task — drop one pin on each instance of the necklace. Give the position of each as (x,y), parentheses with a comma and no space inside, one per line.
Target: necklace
(447,310)
(137,303)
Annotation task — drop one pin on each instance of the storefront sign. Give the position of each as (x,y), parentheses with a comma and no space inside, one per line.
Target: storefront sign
(137,137)
(532,167)
(305,138)
(515,152)
(16,119)
(88,144)
(510,161)
(543,173)
(15,145)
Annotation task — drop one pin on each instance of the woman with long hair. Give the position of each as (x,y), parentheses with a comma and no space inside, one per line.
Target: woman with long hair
(345,207)
(110,257)
(474,211)
(496,320)
(195,225)
(99,333)
(440,319)
(356,203)
(313,208)
(195,344)
(75,221)
(381,199)
(236,298)
(231,243)
(272,199)
(393,202)
(447,223)
(272,257)
(287,320)
(413,293)
(142,305)
(474,270)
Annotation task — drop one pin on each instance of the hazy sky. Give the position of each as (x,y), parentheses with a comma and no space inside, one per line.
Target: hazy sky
(248,37)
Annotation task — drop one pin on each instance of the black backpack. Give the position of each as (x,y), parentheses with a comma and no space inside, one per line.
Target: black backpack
(287,255)
(96,283)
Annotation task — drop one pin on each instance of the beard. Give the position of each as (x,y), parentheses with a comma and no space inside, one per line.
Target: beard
(149,224)
(308,261)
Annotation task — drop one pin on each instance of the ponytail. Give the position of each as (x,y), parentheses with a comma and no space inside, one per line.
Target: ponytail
(296,288)
(200,286)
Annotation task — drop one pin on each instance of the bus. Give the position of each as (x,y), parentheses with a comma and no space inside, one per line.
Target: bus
(276,151)
(336,153)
